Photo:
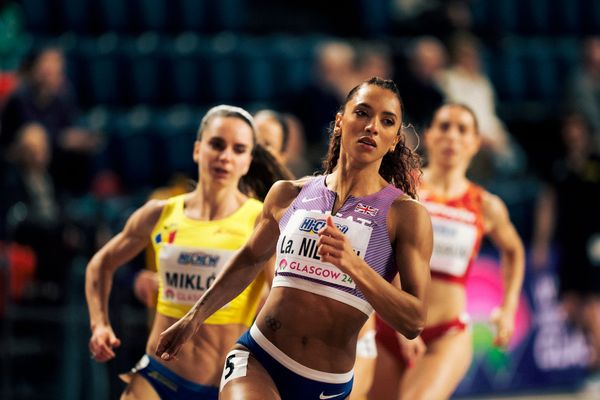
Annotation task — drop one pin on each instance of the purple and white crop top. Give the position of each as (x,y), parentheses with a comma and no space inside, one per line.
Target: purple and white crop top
(362,219)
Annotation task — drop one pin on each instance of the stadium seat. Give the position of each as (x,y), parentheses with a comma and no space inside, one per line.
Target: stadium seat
(187,70)
(114,16)
(75,16)
(254,71)
(191,14)
(153,15)
(105,66)
(176,133)
(144,70)
(131,148)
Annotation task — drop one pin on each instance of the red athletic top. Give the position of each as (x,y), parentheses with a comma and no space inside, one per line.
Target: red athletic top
(457,232)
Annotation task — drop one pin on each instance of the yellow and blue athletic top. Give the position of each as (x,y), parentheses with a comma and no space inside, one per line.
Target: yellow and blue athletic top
(191,253)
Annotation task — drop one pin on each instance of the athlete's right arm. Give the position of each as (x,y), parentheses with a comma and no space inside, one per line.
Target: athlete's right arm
(237,274)
(101,268)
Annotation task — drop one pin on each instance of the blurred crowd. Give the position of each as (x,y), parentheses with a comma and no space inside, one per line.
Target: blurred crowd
(61,198)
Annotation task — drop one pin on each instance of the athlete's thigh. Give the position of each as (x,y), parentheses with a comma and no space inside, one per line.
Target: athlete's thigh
(386,378)
(244,378)
(139,388)
(438,373)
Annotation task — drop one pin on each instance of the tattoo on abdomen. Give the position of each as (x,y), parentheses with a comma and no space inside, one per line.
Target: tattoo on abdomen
(272,323)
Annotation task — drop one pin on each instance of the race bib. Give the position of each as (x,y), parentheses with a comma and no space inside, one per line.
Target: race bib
(297,247)
(187,272)
(453,244)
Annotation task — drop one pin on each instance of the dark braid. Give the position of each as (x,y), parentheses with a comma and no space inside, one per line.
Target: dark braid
(400,167)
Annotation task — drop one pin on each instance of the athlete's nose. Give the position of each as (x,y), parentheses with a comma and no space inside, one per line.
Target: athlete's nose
(226,155)
(372,126)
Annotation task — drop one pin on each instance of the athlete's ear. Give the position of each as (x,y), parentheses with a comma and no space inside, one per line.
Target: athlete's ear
(395,141)
(196,152)
(337,128)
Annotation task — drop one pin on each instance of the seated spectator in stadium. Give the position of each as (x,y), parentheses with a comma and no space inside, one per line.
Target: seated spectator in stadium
(45,96)
(432,17)
(33,213)
(374,58)
(583,89)
(466,82)
(425,61)
(334,76)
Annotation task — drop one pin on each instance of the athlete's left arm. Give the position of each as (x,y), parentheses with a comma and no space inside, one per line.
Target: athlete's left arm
(503,234)
(404,309)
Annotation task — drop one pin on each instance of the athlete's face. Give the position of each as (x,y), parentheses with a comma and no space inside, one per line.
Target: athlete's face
(452,139)
(224,152)
(370,124)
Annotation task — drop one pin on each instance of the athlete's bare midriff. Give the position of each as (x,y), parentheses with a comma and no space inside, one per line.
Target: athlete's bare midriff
(201,359)
(318,332)
(449,299)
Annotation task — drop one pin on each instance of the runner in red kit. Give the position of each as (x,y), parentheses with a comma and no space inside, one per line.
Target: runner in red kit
(432,366)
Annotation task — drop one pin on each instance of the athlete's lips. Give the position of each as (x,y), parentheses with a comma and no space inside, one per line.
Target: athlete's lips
(367,140)
(220,171)
(449,151)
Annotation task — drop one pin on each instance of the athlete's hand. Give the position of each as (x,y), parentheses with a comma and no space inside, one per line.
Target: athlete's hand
(171,340)
(335,247)
(145,288)
(504,322)
(411,350)
(102,343)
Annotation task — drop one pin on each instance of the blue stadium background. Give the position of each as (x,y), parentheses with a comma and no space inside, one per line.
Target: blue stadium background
(144,71)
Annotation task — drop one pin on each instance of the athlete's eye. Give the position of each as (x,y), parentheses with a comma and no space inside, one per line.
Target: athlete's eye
(217,144)
(444,126)
(388,122)
(360,113)
(240,148)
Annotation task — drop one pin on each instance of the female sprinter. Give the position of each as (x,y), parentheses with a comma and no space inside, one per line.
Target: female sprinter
(193,235)
(432,366)
(340,239)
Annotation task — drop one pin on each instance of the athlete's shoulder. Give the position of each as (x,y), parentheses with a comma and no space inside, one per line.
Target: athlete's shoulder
(406,204)
(290,188)
(409,219)
(154,207)
(493,207)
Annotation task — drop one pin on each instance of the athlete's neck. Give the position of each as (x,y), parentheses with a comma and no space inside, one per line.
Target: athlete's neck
(358,182)
(447,183)
(209,202)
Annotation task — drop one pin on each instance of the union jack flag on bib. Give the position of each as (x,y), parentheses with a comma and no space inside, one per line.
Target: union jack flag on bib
(366,209)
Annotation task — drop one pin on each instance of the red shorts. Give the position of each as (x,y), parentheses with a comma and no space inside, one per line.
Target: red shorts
(386,336)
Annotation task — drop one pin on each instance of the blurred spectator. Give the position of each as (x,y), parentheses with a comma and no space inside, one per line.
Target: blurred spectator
(373,59)
(33,213)
(432,17)
(567,214)
(425,61)
(316,103)
(583,89)
(465,82)
(44,96)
